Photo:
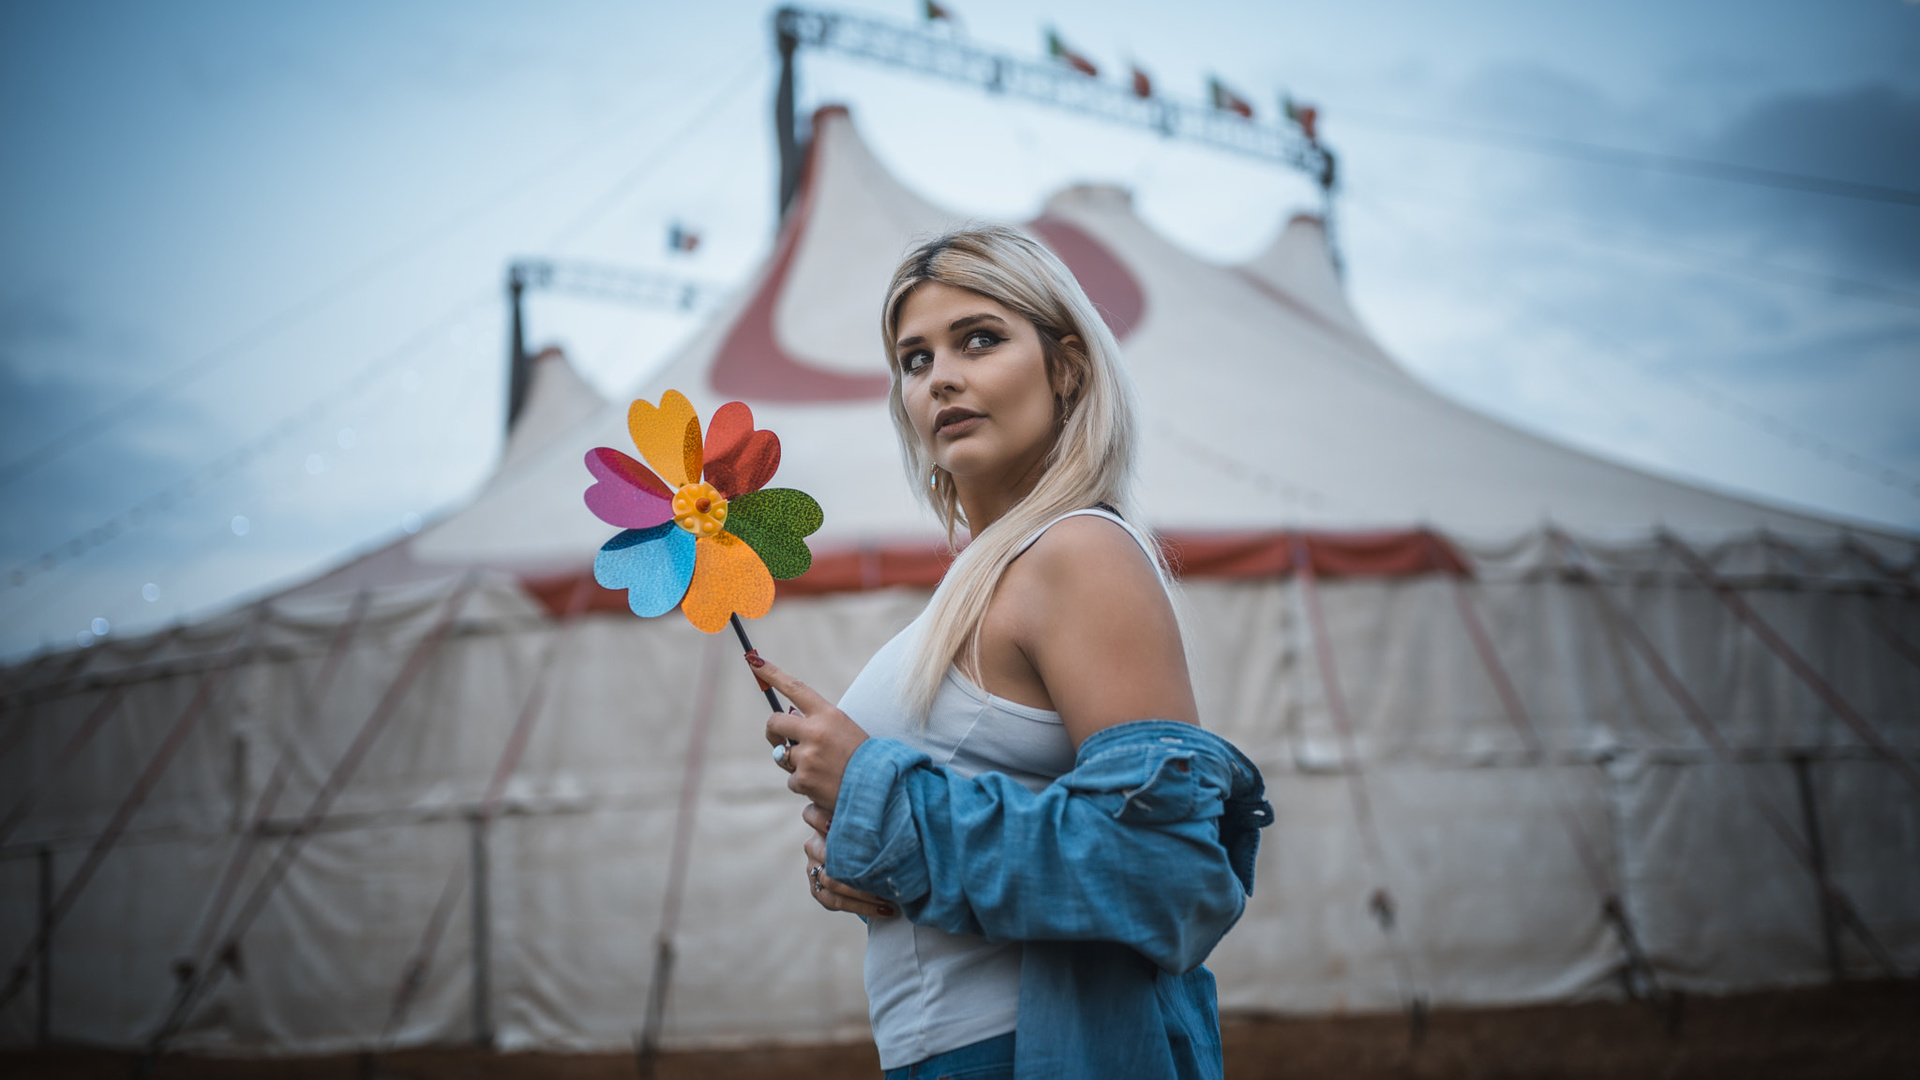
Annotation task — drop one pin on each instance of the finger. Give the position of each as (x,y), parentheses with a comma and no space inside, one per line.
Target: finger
(855,905)
(852,893)
(859,903)
(816,849)
(785,727)
(802,695)
(817,818)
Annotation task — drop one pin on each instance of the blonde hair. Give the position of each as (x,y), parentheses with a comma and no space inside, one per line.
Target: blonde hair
(1091,460)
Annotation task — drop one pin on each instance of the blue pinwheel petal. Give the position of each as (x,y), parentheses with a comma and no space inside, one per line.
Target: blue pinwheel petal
(653,565)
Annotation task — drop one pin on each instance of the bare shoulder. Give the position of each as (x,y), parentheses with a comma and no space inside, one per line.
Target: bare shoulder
(1091,551)
(1099,627)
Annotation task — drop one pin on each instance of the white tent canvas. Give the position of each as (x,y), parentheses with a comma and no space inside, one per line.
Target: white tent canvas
(1538,727)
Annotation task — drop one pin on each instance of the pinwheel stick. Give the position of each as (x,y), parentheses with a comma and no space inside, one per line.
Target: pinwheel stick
(740,632)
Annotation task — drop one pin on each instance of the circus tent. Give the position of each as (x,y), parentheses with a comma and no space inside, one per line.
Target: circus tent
(1538,727)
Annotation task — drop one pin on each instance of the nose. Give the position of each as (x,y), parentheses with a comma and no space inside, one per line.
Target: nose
(947,375)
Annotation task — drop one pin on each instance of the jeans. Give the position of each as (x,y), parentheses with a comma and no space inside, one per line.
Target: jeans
(988,1059)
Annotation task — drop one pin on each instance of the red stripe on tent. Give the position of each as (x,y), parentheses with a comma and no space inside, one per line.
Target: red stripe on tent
(1229,556)
(1115,293)
(751,364)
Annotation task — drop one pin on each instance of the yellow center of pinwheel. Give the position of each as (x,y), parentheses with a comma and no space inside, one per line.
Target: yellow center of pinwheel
(699,509)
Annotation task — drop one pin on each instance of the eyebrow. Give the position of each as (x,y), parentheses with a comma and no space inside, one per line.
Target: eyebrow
(958,324)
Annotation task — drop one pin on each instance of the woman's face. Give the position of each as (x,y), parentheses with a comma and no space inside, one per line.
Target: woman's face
(973,376)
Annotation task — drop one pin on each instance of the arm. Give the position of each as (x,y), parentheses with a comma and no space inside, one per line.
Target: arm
(1125,848)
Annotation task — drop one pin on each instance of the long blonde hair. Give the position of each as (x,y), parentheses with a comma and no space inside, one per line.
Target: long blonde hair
(1091,460)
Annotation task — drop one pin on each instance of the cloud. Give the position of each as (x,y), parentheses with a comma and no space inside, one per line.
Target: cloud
(1866,134)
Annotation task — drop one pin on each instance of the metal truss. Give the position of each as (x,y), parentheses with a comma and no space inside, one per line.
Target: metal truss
(1052,84)
(619,284)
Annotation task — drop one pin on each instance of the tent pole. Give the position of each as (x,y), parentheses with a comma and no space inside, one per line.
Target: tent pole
(414,974)
(203,979)
(1785,653)
(253,828)
(1696,715)
(482,918)
(131,803)
(683,822)
(43,1020)
(89,727)
(1380,901)
(1612,906)
(518,364)
(783,117)
(1817,850)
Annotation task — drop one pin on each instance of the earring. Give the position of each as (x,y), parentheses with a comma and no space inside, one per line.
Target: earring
(933,476)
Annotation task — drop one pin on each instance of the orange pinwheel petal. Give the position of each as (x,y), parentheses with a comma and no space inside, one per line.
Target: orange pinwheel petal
(728,579)
(690,449)
(668,437)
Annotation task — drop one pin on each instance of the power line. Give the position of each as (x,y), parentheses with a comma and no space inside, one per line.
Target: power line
(167,498)
(1751,269)
(1621,157)
(1786,431)
(142,400)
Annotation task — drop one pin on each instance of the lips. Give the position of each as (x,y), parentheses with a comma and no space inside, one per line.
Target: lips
(953,417)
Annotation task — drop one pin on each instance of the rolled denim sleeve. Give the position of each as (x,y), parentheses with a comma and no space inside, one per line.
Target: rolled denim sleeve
(1126,848)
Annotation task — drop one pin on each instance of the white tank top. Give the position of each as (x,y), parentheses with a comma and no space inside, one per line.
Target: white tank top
(929,991)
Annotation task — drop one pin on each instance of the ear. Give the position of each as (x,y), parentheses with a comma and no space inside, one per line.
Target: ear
(1070,372)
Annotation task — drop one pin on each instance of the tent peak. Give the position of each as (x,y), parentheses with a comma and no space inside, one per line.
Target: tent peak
(1092,196)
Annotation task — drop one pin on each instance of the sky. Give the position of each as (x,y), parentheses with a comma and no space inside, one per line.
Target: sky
(251,256)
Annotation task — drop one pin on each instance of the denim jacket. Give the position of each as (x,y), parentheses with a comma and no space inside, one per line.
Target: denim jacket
(1120,877)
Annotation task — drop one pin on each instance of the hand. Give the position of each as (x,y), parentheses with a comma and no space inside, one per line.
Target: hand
(821,739)
(827,892)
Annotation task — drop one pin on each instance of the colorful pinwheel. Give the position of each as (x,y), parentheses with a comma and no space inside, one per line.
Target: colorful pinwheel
(701,529)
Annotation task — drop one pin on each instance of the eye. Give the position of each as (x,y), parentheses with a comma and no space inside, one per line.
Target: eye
(914,362)
(982,339)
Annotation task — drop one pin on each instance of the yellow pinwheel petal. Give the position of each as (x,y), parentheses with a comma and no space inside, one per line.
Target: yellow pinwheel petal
(668,437)
(728,578)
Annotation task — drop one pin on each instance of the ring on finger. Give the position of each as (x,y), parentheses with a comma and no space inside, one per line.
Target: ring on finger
(813,872)
(781,754)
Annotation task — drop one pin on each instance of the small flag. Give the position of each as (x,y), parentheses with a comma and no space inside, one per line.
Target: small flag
(1224,98)
(682,239)
(1057,49)
(1142,85)
(935,13)
(1305,115)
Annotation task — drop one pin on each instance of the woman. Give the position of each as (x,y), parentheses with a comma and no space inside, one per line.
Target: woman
(1020,772)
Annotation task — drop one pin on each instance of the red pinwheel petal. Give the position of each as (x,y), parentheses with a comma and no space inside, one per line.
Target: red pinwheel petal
(739,459)
(626,494)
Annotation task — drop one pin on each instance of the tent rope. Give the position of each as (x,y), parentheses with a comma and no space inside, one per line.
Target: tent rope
(1380,902)
(136,796)
(92,724)
(1723,752)
(206,976)
(1612,905)
(414,974)
(1792,659)
(249,839)
(654,1020)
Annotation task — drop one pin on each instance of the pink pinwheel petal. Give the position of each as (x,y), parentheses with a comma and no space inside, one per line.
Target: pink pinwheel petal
(625,493)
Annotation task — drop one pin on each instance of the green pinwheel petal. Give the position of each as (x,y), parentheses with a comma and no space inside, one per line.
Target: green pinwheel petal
(772,522)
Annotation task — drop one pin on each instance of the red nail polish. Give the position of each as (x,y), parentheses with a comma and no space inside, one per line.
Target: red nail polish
(753,658)
(886,913)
